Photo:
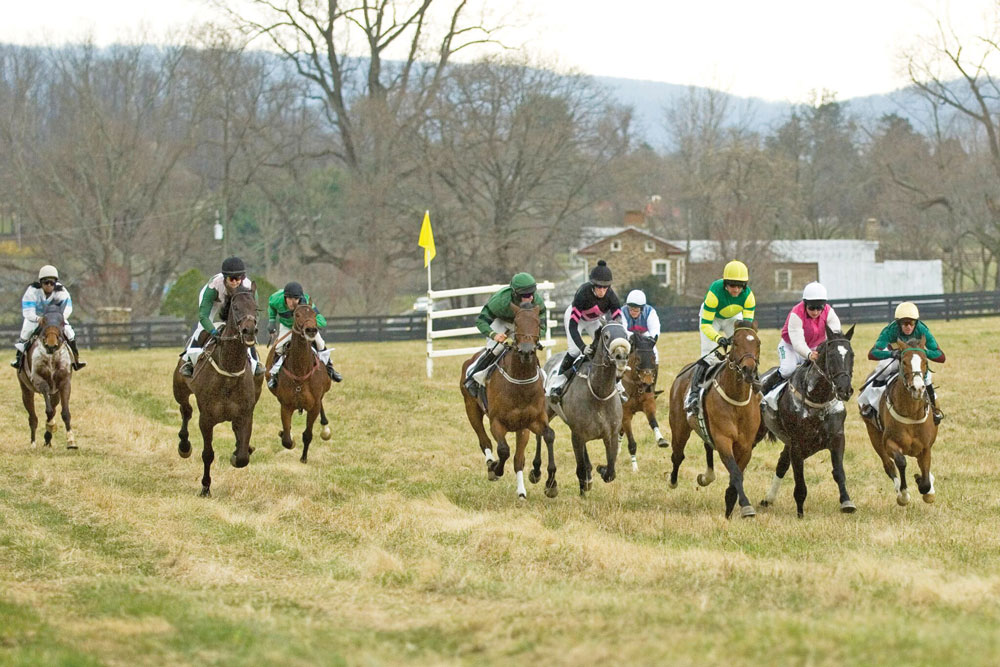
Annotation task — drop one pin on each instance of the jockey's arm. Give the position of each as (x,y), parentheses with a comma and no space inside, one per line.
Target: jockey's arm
(797,336)
(708,308)
(934,351)
(653,324)
(574,330)
(749,306)
(205,309)
(833,321)
(880,350)
(67,303)
(29,305)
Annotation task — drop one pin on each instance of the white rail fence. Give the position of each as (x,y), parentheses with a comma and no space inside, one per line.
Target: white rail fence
(434,315)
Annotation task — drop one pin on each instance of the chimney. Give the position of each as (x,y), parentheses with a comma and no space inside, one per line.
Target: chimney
(635,219)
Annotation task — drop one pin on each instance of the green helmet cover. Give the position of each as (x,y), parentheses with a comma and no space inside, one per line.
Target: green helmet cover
(522,283)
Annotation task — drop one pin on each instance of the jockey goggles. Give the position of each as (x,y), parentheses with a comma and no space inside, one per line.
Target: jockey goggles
(734,283)
(815,305)
(238,277)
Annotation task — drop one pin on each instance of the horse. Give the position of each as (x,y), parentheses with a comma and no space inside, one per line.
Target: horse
(639,382)
(590,405)
(515,401)
(731,415)
(47,369)
(810,417)
(907,427)
(222,386)
(299,386)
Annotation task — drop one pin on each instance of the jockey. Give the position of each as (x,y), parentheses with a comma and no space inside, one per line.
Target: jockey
(211,299)
(47,291)
(280,307)
(641,318)
(496,320)
(728,301)
(804,331)
(593,300)
(905,326)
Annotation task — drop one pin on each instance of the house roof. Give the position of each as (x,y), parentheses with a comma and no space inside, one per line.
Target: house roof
(591,236)
(795,250)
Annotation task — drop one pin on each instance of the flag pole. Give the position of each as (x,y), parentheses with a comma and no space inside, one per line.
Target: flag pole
(430,305)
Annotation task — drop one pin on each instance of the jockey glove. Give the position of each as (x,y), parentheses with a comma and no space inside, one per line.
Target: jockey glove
(272,329)
(214,333)
(588,351)
(896,354)
(722,341)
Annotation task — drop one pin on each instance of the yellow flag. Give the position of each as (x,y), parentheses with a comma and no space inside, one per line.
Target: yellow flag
(426,240)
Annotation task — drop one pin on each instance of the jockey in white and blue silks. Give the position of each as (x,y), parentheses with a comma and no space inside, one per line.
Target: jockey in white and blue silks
(210,301)
(39,295)
(641,318)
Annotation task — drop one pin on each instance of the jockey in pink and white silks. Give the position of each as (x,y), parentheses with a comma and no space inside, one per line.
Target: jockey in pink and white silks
(210,301)
(45,292)
(804,331)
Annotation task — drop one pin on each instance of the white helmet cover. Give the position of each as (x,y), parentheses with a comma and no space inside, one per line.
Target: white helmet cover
(48,271)
(814,292)
(636,298)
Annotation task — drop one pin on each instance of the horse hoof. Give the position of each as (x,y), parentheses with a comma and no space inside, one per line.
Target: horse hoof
(747,512)
(672,485)
(303,459)
(184,449)
(551,491)
(662,442)
(928,498)
(326,433)
(635,467)
(534,476)
(238,463)
(847,507)
(205,492)
(33,444)
(71,445)
(704,479)
(765,503)
(902,498)
(522,496)
(491,470)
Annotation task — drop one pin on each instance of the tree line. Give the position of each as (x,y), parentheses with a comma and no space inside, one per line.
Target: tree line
(318,156)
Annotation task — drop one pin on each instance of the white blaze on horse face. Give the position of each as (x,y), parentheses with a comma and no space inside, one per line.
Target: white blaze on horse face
(843,351)
(918,377)
(751,338)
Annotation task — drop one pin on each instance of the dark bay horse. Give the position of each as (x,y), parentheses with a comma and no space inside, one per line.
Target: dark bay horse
(907,425)
(515,401)
(810,417)
(640,391)
(732,414)
(591,405)
(223,385)
(48,370)
(300,386)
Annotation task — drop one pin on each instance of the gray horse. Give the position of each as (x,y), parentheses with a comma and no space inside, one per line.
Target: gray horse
(590,406)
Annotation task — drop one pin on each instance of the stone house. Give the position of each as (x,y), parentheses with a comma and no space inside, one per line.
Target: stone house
(634,253)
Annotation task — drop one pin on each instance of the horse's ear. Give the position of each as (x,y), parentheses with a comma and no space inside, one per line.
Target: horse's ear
(850,332)
(922,341)
(898,345)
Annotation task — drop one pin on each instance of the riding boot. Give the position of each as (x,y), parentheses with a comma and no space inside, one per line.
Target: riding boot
(332,372)
(17,360)
(772,381)
(482,363)
(938,415)
(697,375)
(258,368)
(77,363)
(187,368)
(567,369)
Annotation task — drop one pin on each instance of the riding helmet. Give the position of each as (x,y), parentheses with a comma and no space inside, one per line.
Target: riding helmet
(523,284)
(233,266)
(636,298)
(814,295)
(48,271)
(907,311)
(736,272)
(600,275)
(294,290)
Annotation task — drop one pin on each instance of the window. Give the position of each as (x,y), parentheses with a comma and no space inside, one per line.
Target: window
(650,246)
(616,245)
(661,269)
(783,280)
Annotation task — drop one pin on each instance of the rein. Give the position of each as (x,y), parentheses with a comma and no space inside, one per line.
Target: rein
(303,378)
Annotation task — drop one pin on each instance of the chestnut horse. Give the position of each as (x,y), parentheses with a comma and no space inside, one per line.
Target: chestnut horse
(908,428)
(300,386)
(47,370)
(639,382)
(515,400)
(732,415)
(223,385)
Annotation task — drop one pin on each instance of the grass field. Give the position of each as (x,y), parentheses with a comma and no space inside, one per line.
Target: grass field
(391,546)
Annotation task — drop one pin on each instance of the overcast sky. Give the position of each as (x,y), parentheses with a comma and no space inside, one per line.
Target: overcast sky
(774,49)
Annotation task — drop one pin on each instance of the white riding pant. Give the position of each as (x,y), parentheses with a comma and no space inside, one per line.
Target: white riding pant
(788,359)
(886,369)
(28,327)
(492,346)
(193,351)
(726,327)
(285,338)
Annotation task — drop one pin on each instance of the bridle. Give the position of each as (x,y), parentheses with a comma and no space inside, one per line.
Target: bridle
(745,374)
(519,338)
(250,317)
(824,372)
(606,358)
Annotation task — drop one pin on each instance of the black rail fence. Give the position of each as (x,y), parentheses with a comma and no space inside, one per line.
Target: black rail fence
(413,326)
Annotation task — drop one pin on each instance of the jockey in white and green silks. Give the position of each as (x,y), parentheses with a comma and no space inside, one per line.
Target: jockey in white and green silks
(496,321)
(45,292)
(210,301)
(727,302)
(280,309)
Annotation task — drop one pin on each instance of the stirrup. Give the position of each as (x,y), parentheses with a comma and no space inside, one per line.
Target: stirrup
(937,415)
(868,412)
(187,369)
(78,364)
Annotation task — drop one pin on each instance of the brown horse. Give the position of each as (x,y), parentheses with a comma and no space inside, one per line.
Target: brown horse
(515,400)
(300,386)
(47,369)
(732,415)
(639,382)
(223,385)
(907,427)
